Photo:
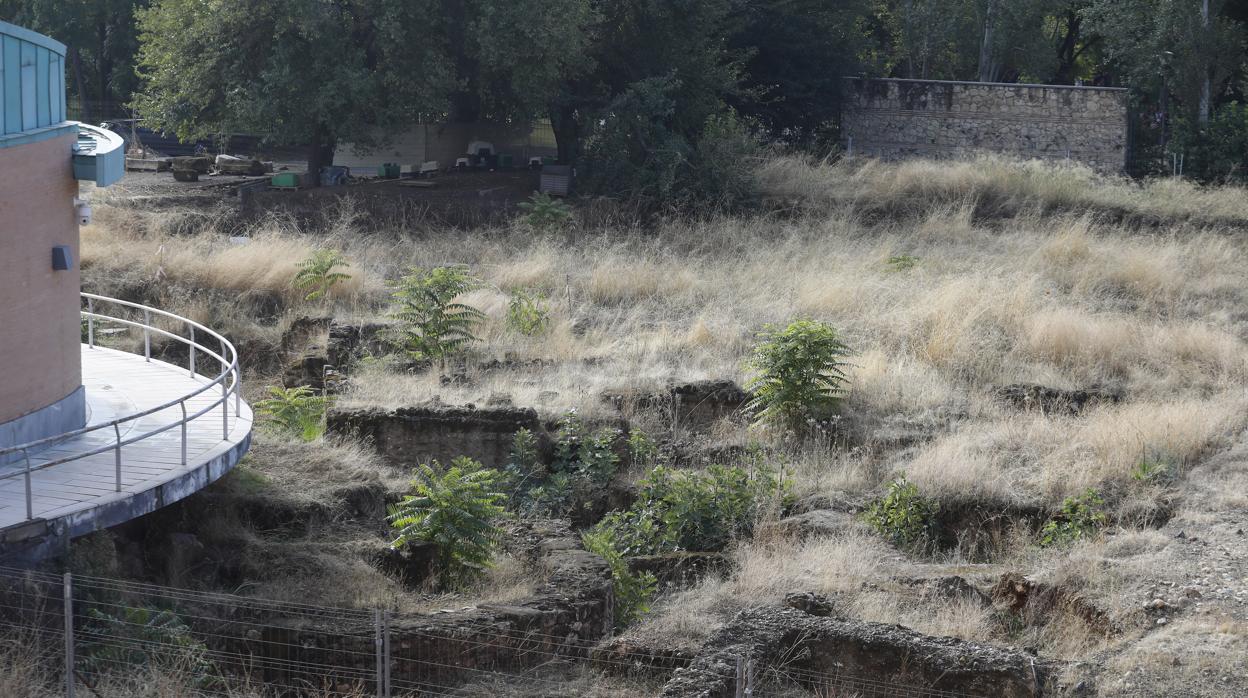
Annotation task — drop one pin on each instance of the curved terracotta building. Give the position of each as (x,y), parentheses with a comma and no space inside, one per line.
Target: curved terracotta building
(90,435)
(41,382)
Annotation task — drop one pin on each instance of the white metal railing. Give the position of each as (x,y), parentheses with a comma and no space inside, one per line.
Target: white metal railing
(228,382)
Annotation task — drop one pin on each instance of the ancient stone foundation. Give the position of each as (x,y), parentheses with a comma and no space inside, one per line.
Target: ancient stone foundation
(894,119)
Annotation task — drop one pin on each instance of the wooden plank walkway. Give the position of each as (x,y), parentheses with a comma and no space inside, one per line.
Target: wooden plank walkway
(119,383)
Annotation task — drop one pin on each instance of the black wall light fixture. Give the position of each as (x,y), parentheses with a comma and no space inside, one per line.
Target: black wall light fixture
(62,258)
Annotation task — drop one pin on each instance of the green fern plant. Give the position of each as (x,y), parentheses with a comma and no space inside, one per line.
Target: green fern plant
(432,325)
(316,274)
(542,211)
(455,509)
(298,412)
(799,374)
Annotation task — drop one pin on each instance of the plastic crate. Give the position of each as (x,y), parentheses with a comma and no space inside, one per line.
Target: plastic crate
(286,180)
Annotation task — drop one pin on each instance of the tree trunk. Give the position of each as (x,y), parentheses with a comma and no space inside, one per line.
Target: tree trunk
(1067,50)
(987,65)
(320,154)
(567,130)
(1206,85)
(76,61)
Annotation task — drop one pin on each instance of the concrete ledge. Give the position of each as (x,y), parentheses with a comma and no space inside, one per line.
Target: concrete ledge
(64,415)
(27,542)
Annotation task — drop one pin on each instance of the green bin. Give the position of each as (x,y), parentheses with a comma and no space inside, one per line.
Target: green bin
(285,180)
(389,170)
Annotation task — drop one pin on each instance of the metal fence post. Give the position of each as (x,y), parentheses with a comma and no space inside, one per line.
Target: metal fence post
(30,507)
(67,585)
(377,649)
(90,324)
(739,684)
(385,649)
(225,397)
(183,406)
(192,346)
(117,431)
(147,335)
(749,678)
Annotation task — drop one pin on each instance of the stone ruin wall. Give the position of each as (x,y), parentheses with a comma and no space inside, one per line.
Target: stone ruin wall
(893,119)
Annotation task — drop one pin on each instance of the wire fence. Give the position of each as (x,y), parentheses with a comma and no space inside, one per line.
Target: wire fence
(96,637)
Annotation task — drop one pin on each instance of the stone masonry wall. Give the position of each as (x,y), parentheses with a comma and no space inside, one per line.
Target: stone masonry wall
(894,119)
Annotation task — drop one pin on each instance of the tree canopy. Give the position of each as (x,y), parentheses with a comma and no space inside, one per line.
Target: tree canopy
(655,80)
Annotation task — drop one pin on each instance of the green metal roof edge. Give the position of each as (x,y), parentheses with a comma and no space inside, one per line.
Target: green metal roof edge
(33,37)
(38,134)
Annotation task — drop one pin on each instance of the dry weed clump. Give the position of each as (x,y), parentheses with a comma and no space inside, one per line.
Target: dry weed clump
(994,186)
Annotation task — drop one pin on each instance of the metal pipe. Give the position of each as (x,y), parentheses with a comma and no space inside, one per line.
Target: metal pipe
(117,431)
(381,683)
(90,323)
(183,404)
(30,508)
(67,586)
(147,335)
(192,345)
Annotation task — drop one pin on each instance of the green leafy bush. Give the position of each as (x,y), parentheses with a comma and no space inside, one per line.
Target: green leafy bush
(633,592)
(799,374)
(456,509)
(297,412)
(527,314)
(641,448)
(140,636)
(551,499)
(693,510)
(904,515)
(1079,517)
(581,453)
(1218,150)
(432,325)
(316,274)
(651,147)
(544,212)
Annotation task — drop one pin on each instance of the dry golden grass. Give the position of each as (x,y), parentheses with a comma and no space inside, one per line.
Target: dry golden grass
(1049,293)
(1009,272)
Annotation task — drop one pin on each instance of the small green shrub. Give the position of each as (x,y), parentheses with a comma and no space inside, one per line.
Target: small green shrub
(527,314)
(316,274)
(641,448)
(137,637)
(581,453)
(901,262)
(456,509)
(633,592)
(904,516)
(551,499)
(297,412)
(1079,517)
(799,375)
(544,212)
(1153,470)
(693,510)
(432,325)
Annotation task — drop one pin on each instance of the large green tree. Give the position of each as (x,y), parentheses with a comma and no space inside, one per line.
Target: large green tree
(796,54)
(300,72)
(1184,51)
